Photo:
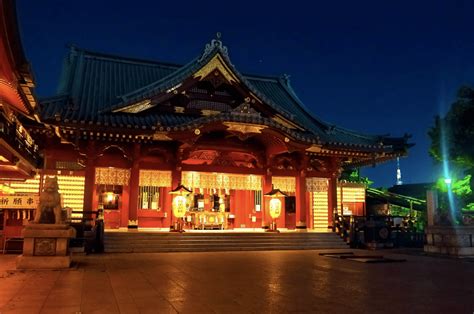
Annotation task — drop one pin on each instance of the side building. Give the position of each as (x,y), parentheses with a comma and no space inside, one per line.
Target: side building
(20,157)
(130,131)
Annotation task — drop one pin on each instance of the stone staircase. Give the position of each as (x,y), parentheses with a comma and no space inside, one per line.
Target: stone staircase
(150,242)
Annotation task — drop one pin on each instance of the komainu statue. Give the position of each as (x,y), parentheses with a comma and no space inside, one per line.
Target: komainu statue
(49,208)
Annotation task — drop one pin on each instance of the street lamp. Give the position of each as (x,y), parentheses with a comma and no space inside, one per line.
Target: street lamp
(179,205)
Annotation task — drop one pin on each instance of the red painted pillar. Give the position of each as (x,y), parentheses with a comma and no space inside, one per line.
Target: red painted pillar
(310,213)
(134,187)
(301,205)
(89,180)
(267,187)
(332,200)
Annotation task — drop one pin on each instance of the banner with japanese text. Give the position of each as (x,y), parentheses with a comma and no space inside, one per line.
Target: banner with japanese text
(28,201)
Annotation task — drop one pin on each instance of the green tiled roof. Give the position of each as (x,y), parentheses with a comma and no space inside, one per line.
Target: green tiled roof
(92,84)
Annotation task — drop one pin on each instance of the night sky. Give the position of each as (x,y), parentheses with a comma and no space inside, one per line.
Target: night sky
(381,67)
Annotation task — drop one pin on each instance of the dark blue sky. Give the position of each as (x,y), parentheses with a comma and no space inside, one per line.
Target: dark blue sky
(374,66)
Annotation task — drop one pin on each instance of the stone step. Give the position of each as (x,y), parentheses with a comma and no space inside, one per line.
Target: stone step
(220,241)
(215,235)
(208,241)
(144,245)
(224,244)
(216,249)
(336,240)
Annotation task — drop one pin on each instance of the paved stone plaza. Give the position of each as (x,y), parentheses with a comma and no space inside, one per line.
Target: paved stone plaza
(240,282)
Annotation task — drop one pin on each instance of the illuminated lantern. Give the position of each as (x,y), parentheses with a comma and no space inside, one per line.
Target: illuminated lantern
(275,208)
(179,206)
(110,197)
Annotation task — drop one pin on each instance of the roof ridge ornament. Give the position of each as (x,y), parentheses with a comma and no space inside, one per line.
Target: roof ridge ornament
(285,78)
(214,44)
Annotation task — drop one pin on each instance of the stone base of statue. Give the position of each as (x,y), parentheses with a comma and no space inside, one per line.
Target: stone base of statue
(449,240)
(46,246)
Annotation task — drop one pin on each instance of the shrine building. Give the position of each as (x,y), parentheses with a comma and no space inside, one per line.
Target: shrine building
(20,156)
(123,133)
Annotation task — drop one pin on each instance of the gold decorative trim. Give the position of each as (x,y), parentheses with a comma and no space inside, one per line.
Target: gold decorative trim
(206,112)
(314,149)
(112,176)
(279,119)
(178,109)
(161,136)
(244,128)
(285,184)
(155,178)
(317,184)
(205,180)
(136,107)
(217,63)
(174,89)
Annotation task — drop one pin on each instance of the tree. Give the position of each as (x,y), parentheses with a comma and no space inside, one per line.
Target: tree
(456,132)
(452,141)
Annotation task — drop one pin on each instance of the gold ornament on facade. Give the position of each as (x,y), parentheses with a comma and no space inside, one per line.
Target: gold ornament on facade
(155,178)
(136,107)
(286,123)
(161,136)
(216,63)
(112,176)
(178,109)
(316,184)
(132,222)
(206,112)
(285,184)
(221,181)
(244,128)
(314,148)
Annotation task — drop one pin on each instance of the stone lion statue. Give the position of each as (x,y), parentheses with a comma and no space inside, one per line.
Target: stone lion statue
(49,208)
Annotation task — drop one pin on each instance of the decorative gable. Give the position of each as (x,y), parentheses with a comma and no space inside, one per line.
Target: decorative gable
(217,66)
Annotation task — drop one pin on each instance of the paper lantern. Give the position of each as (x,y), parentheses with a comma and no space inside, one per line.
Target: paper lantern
(275,208)
(179,206)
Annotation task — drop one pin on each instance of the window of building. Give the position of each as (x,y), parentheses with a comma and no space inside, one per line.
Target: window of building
(151,184)
(258,200)
(149,197)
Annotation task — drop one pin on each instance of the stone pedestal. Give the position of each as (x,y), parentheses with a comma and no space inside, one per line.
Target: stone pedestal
(455,241)
(46,246)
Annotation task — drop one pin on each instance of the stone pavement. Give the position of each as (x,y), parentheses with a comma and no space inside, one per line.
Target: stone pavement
(240,282)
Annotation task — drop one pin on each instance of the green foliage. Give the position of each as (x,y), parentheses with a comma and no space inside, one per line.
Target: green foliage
(469,207)
(354,176)
(456,130)
(399,210)
(455,133)
(461,187)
